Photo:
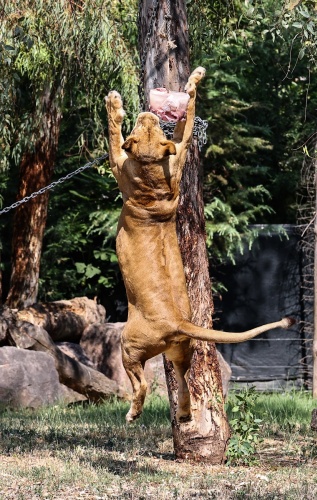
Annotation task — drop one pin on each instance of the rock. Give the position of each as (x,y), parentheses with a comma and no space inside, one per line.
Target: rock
(76,352)
(102,344)
(64,319)
(29,380)
(226,373)
(81,378)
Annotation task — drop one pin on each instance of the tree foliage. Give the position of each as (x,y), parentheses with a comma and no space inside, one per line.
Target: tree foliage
(91,48)
(259,98)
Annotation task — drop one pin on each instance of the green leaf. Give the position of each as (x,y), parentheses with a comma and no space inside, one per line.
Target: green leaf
(91,271)
(310,27)
(80,267)
(304,12)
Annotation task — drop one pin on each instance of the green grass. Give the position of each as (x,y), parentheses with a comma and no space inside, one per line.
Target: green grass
(286,411)
(90,452)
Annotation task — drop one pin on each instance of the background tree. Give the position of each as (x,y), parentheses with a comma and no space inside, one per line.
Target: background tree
(50,71)
(241,156)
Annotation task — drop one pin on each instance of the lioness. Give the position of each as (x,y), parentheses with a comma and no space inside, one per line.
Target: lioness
(148,168)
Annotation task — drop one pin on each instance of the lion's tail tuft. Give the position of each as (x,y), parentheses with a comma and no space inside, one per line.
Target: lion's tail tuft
(288,322)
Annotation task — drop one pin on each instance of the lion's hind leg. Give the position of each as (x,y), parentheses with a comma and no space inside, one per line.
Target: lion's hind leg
(135,372)
(181,356)
(183,413)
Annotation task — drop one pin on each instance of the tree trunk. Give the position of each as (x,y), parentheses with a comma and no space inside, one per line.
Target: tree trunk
(36,170)
(315,284)
(206,436)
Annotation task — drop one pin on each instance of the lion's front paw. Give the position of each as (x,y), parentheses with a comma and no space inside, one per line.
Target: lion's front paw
(194,79)
(198,74)
(190,88)
(114,106)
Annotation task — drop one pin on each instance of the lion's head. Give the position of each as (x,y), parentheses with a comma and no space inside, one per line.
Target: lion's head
(147,142)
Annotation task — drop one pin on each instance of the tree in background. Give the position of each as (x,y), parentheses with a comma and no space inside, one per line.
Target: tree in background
(259,94)
(59,51)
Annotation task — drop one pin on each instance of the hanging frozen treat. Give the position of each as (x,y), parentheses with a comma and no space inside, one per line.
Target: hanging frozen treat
(168,105)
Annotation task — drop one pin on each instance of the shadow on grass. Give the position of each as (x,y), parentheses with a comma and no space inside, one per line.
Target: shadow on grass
(100,427)
(124,467)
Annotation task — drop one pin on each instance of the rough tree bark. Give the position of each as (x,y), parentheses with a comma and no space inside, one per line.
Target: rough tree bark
(206,436)
(36,170)
(315,285)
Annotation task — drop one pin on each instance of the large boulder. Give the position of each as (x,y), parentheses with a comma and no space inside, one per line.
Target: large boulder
(102,345)
(75,351)
(29,379)
(226,373)
(64,320)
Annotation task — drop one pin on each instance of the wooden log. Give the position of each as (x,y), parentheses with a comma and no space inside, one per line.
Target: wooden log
(64,319)
(83,379)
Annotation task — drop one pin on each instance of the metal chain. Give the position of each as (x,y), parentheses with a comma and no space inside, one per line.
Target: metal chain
(199,132)
(168,18)
(145,49)
(54,184)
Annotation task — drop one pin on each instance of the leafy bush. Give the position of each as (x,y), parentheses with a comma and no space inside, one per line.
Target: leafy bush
(245,429)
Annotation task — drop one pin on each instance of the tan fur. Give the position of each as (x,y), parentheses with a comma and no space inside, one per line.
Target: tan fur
(148,168)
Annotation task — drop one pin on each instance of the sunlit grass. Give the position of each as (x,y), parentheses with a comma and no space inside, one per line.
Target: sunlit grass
(88,451)
(285,411)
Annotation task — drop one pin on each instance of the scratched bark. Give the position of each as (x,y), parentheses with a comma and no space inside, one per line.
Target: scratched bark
(205,437)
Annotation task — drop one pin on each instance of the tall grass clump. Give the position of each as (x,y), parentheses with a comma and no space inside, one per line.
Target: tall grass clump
(285,411)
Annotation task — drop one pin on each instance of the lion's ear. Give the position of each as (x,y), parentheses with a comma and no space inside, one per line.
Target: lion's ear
(127,145)
(170,148)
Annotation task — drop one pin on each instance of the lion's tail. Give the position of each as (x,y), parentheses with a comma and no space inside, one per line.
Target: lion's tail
(198,333)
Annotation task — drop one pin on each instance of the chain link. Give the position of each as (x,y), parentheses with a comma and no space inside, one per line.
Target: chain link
(168,19)
(199,132)
(54,184)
